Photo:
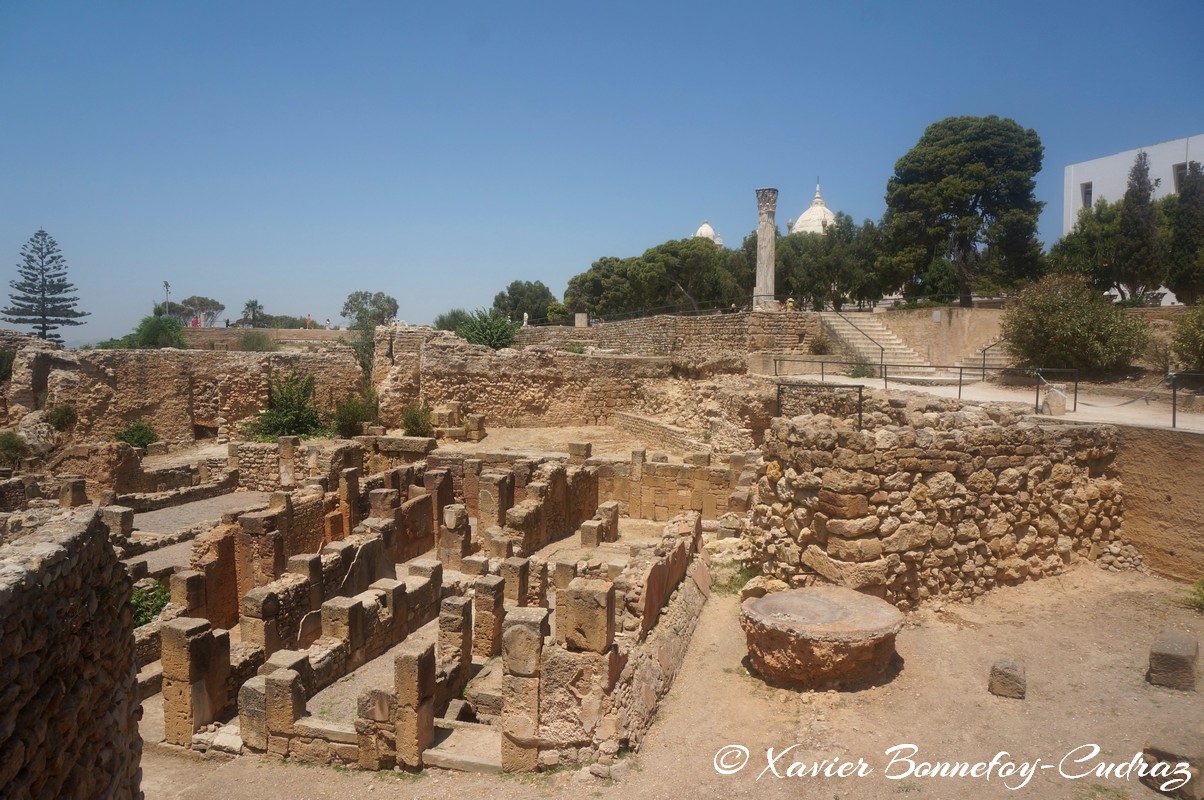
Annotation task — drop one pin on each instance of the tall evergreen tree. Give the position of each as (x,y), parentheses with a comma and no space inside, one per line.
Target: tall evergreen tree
(1138,261)
(42,294)
(1186,269)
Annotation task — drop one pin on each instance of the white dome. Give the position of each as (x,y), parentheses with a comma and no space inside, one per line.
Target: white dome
(816,218)
(705,231)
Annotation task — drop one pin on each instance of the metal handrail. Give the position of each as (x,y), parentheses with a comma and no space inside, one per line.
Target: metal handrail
(881,349)
(1174,376)
(995,343)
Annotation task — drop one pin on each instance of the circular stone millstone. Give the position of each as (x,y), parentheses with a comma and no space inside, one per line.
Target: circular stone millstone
(821,637)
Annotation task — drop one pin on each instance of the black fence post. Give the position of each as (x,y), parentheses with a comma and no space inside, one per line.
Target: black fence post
(1174,400)
(1037,401)
(959,383)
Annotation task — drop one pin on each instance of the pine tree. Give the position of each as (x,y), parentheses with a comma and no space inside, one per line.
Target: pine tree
(42,295)
(1186,278)
(1139,260)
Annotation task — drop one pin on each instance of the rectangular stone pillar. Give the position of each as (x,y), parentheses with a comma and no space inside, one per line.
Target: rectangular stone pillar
(455,536)
(592,533)
(349,498)
(196,665)
(438,483)
(579,452)
(258,622)
(288,447)
(472,484)
(489,611)
(495,497)
(383,503)
(608,512)
(586,609)
(414,681)
(763,291)
(284,702)
(516,572)
(188,590)
(455,642)
(343,619)
(522,656)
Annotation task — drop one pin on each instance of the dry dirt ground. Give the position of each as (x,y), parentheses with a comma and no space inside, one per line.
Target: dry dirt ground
(1083,636)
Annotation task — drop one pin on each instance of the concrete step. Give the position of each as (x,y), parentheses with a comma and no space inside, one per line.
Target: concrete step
(465,747)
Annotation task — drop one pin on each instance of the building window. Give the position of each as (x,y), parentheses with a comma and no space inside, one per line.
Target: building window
(1086,188)
(1180,173)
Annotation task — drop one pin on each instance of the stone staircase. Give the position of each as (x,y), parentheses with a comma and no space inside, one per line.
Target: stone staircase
(861,334)
(997,358)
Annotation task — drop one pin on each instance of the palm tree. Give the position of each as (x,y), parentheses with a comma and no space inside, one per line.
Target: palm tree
(252,310)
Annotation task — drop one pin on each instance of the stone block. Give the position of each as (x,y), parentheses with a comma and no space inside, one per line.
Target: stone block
(1007,679)
(118,519)
(455,516)
(1174,761)
(701,458)
(415,732)
(414,673)
(842,506)
(284,701)
(564,569)
(252,713)
(589,614)
(609,514)
(516,572)
(579,452)
(72,493)
(1173,659)
(474,565)
(592,533)
(188,590)
(523,634)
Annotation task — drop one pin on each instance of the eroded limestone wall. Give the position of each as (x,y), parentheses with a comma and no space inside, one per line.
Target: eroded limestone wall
(68,708)
(180,393)
(948,504)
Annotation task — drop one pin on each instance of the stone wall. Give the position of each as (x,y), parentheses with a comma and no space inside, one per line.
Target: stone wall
(660,490)
(1164,498)
(655,433)
(228,338)
(182,394)
(69,708)
(947,504)
(955,336)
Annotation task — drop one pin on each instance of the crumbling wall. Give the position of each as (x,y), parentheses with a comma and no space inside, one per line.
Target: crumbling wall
(182,394)
(949,504)
(70,704)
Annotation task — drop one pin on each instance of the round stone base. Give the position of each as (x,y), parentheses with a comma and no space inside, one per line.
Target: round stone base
(821,637)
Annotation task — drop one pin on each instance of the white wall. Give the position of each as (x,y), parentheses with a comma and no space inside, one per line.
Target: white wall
(1110,175)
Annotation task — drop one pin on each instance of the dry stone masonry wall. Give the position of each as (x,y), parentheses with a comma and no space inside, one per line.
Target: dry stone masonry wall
(947,504)
(69,707)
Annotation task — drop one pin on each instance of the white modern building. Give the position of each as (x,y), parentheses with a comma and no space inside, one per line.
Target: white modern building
(1107,177)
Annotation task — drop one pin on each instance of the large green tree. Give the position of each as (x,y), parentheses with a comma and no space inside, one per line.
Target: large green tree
(524,297)
(369,308)
(1185,256)
(42,295)
(965,193)
(1138,257)
(832,268)
(1090,247)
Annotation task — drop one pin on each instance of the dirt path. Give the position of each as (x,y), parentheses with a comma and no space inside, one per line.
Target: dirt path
(1084,637)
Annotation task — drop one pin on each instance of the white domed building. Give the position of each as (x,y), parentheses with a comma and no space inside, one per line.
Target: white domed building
(815,219)
(705,231)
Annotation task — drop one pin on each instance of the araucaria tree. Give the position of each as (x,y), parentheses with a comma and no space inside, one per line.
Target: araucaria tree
(965,193)
(42,295)
(1137,247)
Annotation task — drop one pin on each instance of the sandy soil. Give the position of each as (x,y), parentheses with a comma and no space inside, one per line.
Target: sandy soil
(1084,638)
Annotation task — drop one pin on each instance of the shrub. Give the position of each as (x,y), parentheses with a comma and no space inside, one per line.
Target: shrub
(416,420)
(352,413)
(1188,339)
(148,602)
(1061,321)
(451,320)
(62,417)
(861,371)
(256,342)
(12,449)
(6,363)
(290,411)
(137,434)
(575,348)
(488,328)
(819,346)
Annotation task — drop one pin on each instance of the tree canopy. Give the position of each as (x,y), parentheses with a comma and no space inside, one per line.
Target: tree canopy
(1090,247)
(679,274)
(965,192)
(369,308)
(524,297)
(42,295)
(153,332)
(1185,273)
(1138,255)
(832,268)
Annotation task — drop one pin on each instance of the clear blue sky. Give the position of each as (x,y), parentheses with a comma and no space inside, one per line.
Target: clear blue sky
(294,152)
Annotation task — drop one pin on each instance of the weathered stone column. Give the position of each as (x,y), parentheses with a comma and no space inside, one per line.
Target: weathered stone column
(495,497)
(488,612)
(455,536)
(414,681)
(516,572)
(455,643)
(196,662)
(767,203)
(522,658)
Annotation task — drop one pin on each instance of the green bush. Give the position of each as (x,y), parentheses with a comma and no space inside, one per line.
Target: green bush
(137,434)
(148,602)
(861,371)
(1188,339)
(256,342)
(819,346)
(575,348)
(12,449)
(62,417)
(416,420)
(488,328)
(291,410)
(352,413)
(6,363)
(451,320)
(1061,321)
